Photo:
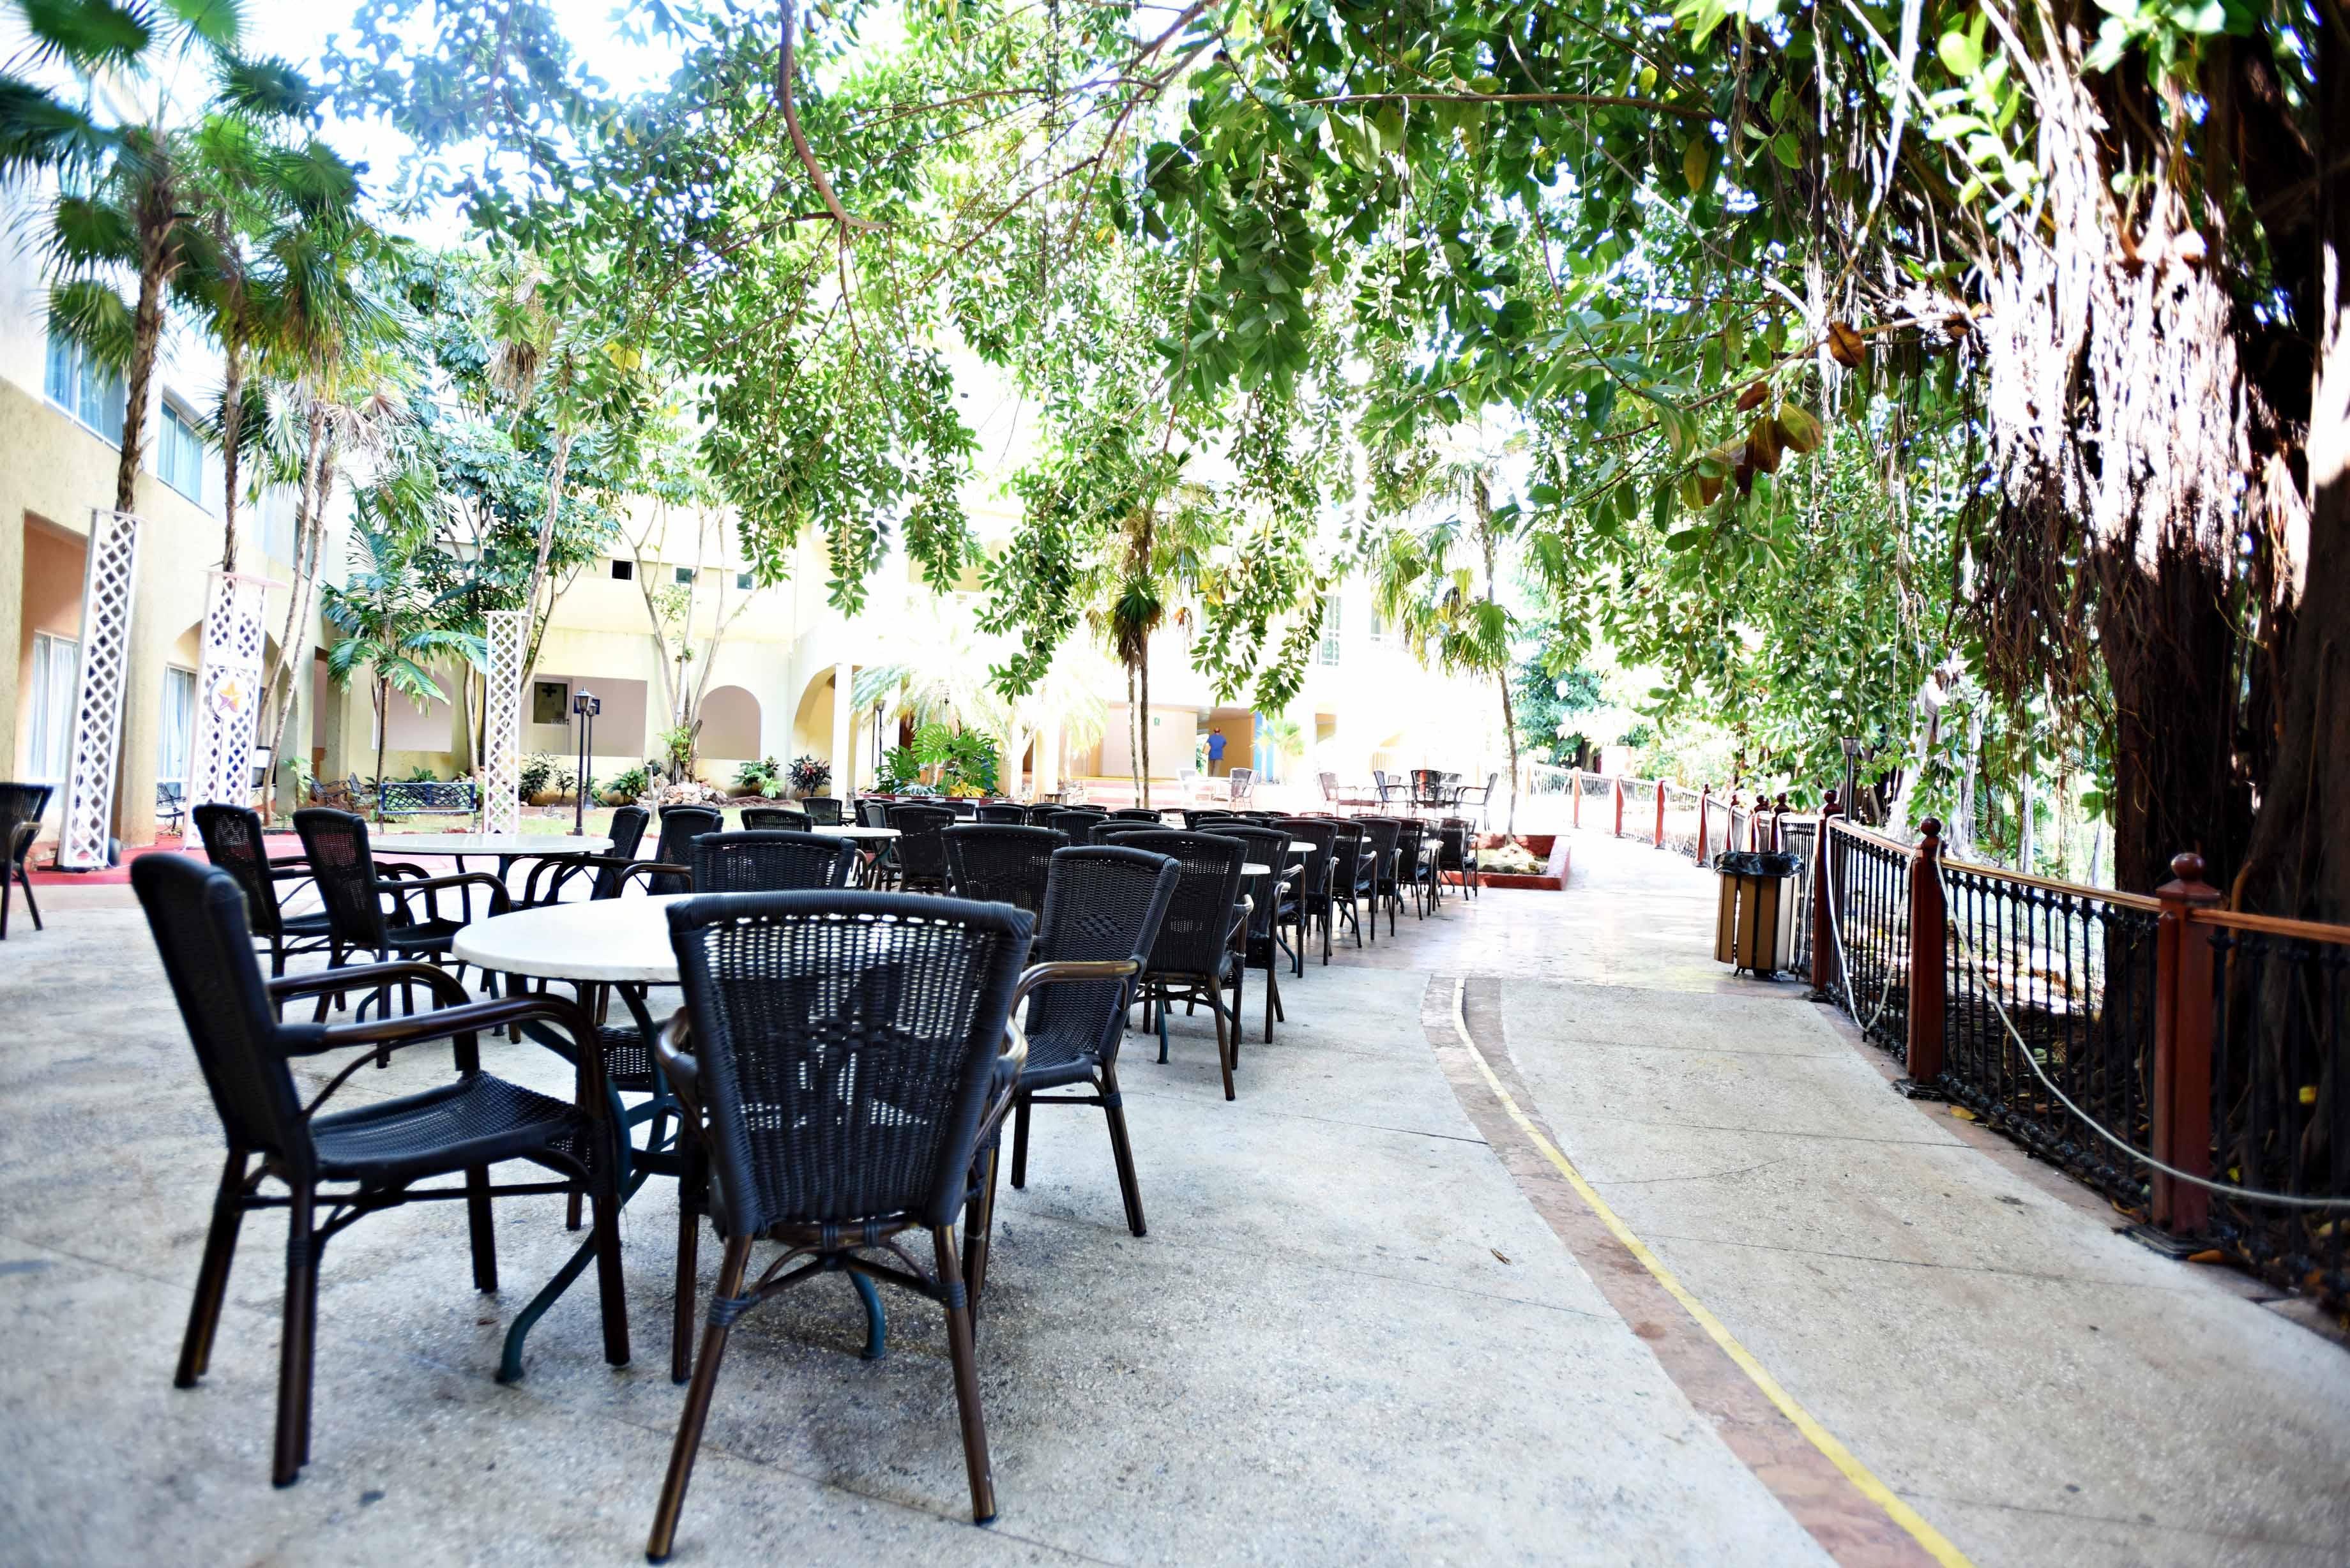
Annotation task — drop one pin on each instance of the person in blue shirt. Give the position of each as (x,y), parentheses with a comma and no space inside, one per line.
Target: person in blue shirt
(1215,749)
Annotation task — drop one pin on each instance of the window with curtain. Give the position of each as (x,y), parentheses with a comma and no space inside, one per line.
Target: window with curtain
(180,455)
(87,391)
(56,668)
(177,748)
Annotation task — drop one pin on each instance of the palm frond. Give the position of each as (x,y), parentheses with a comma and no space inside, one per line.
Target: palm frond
(91,35)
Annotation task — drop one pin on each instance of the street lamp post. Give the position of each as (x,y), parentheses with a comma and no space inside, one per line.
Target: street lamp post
(586,706)
(1851,744)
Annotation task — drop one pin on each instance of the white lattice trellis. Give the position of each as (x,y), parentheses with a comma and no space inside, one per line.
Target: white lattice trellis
(228,690)
(508,632)
(107,587)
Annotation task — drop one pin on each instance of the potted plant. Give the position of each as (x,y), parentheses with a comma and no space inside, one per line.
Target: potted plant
(810,775)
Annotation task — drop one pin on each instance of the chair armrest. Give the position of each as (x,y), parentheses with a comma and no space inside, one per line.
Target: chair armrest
(1055,971)
(671,1046)
(1009,1064)
(500,899)
(463,1023)
(278,861)
(653,869)
(445,987)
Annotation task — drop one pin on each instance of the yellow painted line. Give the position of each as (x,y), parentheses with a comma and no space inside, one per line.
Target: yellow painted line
(1937,1545)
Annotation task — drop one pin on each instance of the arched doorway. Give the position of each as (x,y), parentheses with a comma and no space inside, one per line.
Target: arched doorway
(730,726)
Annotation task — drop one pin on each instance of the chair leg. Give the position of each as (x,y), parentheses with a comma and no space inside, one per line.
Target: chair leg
(697,1403)
(1019,1143)
(611,1287)
(1121,1150)
(965,1353)
(689,1239)
(483,1228)
(212,1277)
(1271,1001)
(1240,981)
(32,905)
(293,1347)
(979,1233)
(1223,1048)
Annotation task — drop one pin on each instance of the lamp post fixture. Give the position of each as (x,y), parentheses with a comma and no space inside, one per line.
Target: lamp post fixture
(1851,744)
(586,706)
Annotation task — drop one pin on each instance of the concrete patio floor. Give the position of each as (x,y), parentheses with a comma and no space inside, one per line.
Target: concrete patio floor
(1373,1321)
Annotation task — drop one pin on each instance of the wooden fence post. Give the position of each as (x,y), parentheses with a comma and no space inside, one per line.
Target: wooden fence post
(1660,814)
(1704,809)
(1575,783)
(1824,960)
(1615,786)
(2182,1048)
(1929,952)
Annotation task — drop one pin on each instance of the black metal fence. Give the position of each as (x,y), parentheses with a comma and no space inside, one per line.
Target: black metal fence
(1869,974)
(2279,1053)
(1799,836)
(2070,972)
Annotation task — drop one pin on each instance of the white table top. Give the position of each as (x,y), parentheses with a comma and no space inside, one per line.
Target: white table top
(489,844)
(1303,846)
(849,830)
(620,939)
(1251,869)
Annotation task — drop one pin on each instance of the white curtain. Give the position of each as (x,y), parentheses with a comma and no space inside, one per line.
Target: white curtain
(56,665)
(179,726)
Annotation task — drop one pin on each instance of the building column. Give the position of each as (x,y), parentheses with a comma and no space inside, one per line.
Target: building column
(844,732)
(1048,755)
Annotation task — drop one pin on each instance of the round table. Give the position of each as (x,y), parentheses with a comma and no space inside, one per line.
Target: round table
(849,830)
(624,943)
(508,847)
(614,942)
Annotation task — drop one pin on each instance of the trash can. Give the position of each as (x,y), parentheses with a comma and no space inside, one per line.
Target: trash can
(1751,931)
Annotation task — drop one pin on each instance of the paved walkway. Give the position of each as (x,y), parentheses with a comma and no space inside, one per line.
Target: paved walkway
(1376,1318)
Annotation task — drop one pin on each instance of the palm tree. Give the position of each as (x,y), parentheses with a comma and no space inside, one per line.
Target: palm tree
(936,672)
(121,207)
(267,227)
(390,618)
(1437,604)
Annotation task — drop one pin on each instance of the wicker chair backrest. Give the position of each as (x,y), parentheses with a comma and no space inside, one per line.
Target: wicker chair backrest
(1268,847)
(921,843)
(196,914)
(775,819)
(232,835)
(1380,835)
(1002,863)
(1347,854)
(1002,811)
(1321,833)
(335,843)
(845,1042)
(823,810)
(770,861)
(1078,825)
(680,827)
(20,803)
(1101,902)
(1191,937)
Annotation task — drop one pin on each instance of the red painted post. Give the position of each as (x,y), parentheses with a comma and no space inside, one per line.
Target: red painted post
(1824,960)
(2182,1048)
(1660,814)
(1615,786)
(1929,951)
(1575,783)
(1704,809)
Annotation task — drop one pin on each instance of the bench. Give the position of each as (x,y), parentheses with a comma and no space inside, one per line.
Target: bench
(435,797)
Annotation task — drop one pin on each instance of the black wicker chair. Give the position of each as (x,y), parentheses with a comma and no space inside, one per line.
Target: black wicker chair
(680,827)
(233,842)
(1102,910)
(1379,836)
(353,885)
(1003,811)
(21,806)
(381,1150)
(1000,863)
(1349,854)
(1309,900)
(844,1060)
(921,845)
(823,810)
(771,862)
(1266,893)
(1041,815)
(1079,825)
(1150,814)
(1405,872)
(1195,959)
(1198,817)
(776,819)
(1459,853)
(611,866)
